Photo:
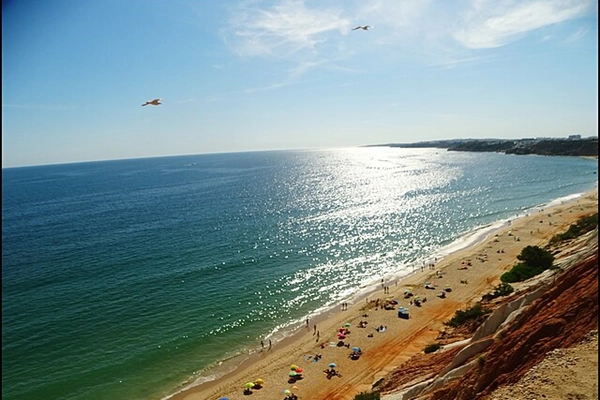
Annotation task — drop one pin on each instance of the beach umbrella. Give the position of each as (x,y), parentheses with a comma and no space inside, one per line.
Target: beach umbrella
(287,391)
(295,387)
(341,336)
(292,373)
(249,385)
(347,325)
(259,381)
(357,349)
(293,367)
(332,365)
(223,398)
(299,370)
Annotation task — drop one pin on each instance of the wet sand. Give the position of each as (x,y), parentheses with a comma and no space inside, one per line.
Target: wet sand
(470,273)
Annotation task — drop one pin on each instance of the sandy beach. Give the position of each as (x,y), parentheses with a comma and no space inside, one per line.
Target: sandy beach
(469,273)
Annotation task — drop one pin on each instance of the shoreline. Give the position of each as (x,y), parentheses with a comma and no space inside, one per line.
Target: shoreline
(273,365)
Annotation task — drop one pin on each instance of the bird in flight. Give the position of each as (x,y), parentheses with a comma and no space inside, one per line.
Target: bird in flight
(363,27)
(154,102)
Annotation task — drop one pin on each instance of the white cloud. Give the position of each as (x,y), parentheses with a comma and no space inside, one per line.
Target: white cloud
(283,29)
(267,88)
(576,36)
(493,23)
(47,107)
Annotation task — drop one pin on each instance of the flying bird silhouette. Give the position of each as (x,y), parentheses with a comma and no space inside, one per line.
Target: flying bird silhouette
(363,27)
(154,102)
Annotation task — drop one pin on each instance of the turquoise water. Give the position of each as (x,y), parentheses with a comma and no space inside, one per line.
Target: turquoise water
(127,279)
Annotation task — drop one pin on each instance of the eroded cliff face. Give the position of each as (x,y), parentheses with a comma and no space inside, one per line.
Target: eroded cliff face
(561,318)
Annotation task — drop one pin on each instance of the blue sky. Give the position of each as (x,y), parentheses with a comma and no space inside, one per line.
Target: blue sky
(238,75)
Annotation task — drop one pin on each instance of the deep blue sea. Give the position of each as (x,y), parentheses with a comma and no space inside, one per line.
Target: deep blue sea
(128,279)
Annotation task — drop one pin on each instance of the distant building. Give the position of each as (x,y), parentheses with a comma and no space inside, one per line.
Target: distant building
(574,137)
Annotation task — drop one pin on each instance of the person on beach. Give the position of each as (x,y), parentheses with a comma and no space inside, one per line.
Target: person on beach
(262,344)
(315,330)
(270,344)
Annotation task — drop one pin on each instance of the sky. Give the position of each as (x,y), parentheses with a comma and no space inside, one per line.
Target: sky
(250,75)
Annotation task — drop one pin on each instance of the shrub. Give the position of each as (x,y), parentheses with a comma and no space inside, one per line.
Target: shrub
(519,273)
(535,260)
(481,360)
(535,256)
(461,317)
(431,348)
(503,289)
(583,225)
(367,396)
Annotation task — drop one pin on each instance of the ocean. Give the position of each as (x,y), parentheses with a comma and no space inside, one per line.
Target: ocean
(130,279)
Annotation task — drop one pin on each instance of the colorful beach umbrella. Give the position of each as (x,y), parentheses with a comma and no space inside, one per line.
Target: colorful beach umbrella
(293,367)
(357,349)
(259,381)
(299,370)
(287,391)
(347,324)
(332,365)
(249,385)
(292,373)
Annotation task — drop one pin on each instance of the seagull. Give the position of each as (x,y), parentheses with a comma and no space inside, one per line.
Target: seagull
(363,27)
(154,102)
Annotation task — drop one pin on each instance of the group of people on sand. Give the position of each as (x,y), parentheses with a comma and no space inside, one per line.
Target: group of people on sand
(356,353)
(331,372)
